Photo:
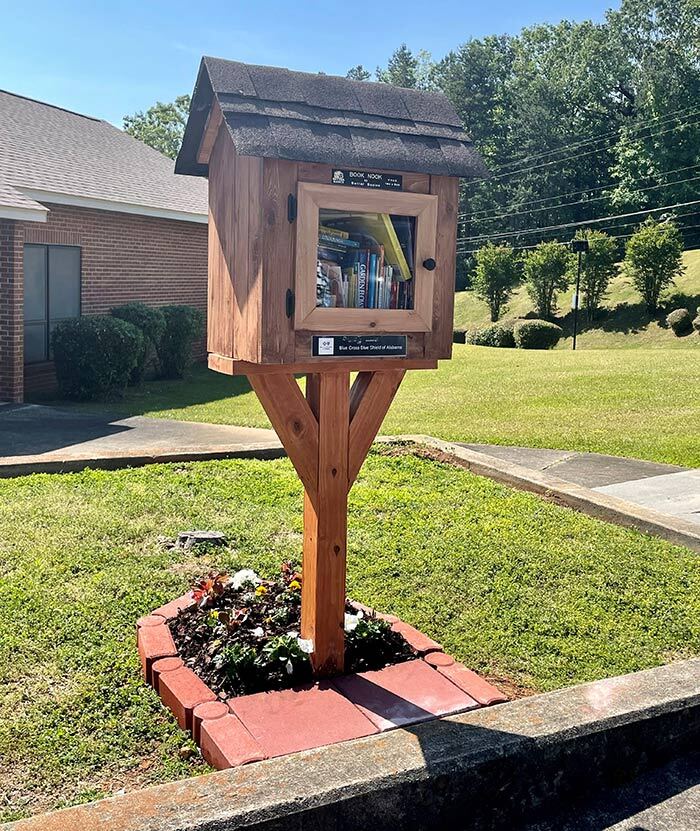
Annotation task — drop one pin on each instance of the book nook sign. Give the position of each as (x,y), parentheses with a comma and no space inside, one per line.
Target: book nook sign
(332,238)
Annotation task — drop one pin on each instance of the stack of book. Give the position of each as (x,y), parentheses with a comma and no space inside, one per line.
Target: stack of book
(354,271)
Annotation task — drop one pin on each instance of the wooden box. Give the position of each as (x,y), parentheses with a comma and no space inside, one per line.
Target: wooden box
(332,218)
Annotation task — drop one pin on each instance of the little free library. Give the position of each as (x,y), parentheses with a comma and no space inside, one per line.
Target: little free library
(332,234)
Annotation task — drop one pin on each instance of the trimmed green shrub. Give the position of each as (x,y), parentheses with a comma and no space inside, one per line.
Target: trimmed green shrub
(497,334)
(459,336)
(653,259)
(94,356)
(151,322)
(680,321)
(536,334)
(183,325)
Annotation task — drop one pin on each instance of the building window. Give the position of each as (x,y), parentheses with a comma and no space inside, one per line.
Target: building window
(51,294)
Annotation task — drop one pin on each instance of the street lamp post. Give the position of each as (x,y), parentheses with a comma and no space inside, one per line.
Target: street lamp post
(580,247)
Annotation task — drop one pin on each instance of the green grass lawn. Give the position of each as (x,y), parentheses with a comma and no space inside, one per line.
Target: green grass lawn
(623,324)
(639,403)
(516,587)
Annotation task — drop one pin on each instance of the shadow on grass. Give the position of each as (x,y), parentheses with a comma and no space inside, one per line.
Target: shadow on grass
(630,318)
(200,386)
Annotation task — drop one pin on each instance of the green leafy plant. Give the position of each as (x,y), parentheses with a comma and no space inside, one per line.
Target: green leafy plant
(598,267)
(151,322)
(536,334)
(94,356)
(498,334)
(498,272)
(653,259)
(547,272)
(183,325)
(239,663)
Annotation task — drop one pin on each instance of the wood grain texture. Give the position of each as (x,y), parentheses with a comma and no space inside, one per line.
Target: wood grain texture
(370,399)
(228,366)
(309,318)
(438,343)
(279,180)
(325,526)
(221,247)
(210,134)
(293,421)
(247,259)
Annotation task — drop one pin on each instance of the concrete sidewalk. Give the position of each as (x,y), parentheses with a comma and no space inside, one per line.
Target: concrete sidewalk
(36,439)
(655,498)
(665,488)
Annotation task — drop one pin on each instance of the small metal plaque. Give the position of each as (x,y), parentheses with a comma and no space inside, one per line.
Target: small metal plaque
(363,179)
(359,346)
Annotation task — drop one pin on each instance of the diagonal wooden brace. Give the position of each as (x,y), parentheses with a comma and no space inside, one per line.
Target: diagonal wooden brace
(327,437)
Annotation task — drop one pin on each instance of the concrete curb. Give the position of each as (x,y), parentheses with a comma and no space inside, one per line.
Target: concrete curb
(599,505)
(594,503)
(486,769)
(260,450)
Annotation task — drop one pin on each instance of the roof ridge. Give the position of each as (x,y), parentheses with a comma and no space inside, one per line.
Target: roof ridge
(53,106)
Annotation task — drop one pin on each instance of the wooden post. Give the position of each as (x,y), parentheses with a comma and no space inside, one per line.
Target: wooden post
(327,437)
(325,524)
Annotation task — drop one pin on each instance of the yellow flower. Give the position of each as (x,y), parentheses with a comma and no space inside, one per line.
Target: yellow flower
(295,585)
(261,590)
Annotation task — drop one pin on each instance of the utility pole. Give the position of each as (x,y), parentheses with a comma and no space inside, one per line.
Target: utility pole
(580,247)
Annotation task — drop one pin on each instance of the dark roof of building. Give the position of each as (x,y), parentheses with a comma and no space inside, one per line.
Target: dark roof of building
(48,154)
(276,113)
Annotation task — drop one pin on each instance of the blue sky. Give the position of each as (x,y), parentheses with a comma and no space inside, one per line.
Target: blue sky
(108,59)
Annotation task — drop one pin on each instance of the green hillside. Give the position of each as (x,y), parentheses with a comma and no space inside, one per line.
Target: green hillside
(623,324)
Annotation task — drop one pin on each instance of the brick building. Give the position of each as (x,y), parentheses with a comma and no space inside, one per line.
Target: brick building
(89,218)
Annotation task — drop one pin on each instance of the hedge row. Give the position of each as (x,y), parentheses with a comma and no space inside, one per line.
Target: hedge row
(96,357)
(524,334)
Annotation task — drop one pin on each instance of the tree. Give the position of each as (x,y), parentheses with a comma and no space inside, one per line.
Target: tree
(653,259)
(497,274)
(547,271)
(598,267)
(402,69)
(358,73)
(408,70)
(161,126)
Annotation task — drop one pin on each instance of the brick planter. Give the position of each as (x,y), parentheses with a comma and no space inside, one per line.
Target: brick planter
(249,728)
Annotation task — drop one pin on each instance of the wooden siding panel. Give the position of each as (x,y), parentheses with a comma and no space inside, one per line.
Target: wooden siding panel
(221,246)
(438,343)
(279,180)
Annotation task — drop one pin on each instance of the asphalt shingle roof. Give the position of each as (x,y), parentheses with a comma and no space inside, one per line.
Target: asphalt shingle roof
(277,113)
(45,148)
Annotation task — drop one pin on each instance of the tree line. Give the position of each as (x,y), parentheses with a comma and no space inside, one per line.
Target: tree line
(653,258)
(581,124)
(577,121)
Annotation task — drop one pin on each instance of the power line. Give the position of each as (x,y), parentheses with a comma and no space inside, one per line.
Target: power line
(475,216)
(614,227)
(557,242)
(576,224)
(661,119)
(559,161)
(588,201)
(617,226)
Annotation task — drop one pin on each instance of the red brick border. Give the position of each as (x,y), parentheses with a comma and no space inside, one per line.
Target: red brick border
(247,728)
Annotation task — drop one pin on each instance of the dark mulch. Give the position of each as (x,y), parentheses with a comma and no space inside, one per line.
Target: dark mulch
(243,636)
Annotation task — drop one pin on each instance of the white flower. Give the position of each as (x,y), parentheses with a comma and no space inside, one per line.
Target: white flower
(351,621)
(258,632)
(289,667)
(306,645)
(245,575)
(292,633)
